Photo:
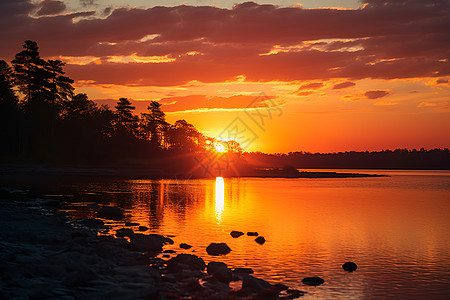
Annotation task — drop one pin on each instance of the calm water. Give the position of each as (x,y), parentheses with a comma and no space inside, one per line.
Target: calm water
(397,228)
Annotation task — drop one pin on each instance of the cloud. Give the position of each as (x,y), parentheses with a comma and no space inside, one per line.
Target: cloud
(200,103)
(311,86)
(304,94)
(376,94)
(399,39)
(50,7)
(343,85)
(441,81)
(426,104)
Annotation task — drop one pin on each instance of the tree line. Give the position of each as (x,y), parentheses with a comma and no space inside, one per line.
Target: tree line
(432,159)
(43,120)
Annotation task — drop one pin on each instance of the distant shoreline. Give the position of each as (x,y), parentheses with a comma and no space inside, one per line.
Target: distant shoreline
(26,170)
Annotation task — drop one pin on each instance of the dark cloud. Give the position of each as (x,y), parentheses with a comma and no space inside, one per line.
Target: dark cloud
(384,39)
(311,86)
(50,7)
(376,94)
(441,80)
(343,85)
(86,3)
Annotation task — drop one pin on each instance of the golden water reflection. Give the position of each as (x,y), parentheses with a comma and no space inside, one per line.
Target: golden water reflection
(388,226)
(219,194)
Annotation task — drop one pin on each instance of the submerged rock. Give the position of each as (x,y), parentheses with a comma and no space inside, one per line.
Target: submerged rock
(313,280)
(252,233)
(110,213)
(218,249)
(185,246)
(236,234)
(143,228)
(349,266)
(260,240)
(129,224)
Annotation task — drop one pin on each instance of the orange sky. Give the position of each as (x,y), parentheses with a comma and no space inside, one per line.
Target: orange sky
(369,76)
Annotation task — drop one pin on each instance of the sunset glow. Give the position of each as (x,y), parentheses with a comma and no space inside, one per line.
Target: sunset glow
(342,77)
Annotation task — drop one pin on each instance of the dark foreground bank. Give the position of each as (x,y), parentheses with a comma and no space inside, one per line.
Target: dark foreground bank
(46,255)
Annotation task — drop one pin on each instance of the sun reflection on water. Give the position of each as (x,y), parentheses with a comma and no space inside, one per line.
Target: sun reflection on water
(219,198)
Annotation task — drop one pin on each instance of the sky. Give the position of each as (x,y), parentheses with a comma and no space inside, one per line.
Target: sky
(280,76)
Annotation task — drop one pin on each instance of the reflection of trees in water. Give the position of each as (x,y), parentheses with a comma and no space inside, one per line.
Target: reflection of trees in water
(181,197)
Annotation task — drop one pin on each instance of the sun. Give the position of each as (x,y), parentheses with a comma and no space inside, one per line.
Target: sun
(220,147)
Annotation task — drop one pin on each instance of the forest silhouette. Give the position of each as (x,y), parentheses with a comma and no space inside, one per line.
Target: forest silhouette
(44,121)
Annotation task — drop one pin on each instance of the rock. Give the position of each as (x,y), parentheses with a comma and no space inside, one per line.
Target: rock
(220,271)
(151,242)
(185,261)
(236,234)
(280,287)
(131,224)
(110,213)
(122,232)
(349,266)
(295,293)
(218,249)
(143,228)
(252,284)
(185,246)
(252,233)
(260,240)
(313,280)
(93,206)
(242,271)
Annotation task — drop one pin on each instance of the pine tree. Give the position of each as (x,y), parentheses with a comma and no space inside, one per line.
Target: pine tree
(125,122)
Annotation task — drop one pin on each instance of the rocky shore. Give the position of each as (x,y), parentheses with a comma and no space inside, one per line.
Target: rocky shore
(46,255)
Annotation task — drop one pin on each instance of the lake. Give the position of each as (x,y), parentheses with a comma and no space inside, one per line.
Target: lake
(396,228)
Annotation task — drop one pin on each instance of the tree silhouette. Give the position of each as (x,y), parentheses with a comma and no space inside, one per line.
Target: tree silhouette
(30,72)
(184,136)
(60,86)
(125,123)
(7,93)
(153,125)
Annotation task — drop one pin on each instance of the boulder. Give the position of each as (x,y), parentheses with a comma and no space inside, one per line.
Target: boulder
(349,266)
(110,213)
(185,261)
(252,233)
(236,234)
(243,271)
(252,284)
(260,240)
(313,280)
(218,249)
(220,271)
(185,246)
(151,242)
